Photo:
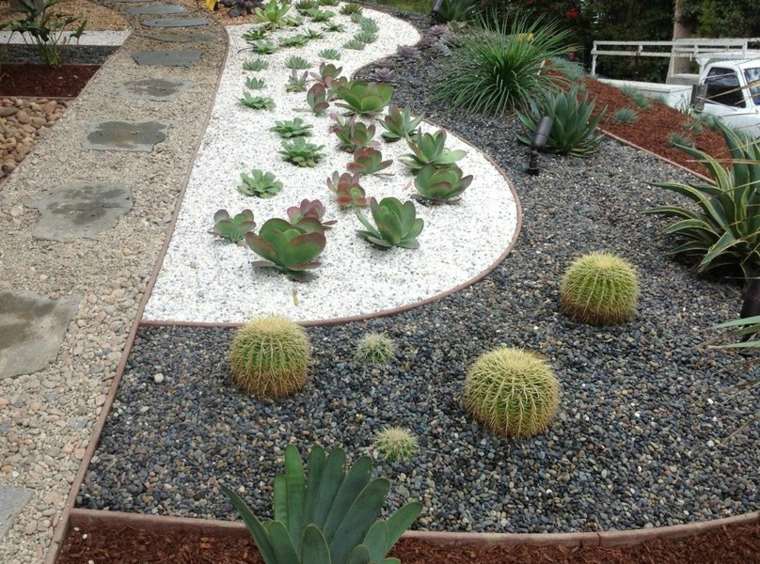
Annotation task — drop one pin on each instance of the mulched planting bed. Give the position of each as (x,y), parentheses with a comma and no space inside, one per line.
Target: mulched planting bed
(63,81)
(734,544)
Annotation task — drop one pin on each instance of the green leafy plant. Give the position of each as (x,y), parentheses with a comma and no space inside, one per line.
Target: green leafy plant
(368,25)
(677,140)
(302,153)
(297,63)
(396,224)
(273,14)
(330,54)
(304,5)
(368,160)
(318,15)
(512,392)
(334,27)
(501,66)
(357,18)
(399,124)
(45,29)
(257,102)
(233,228)
(295,127)
(288,248)
(327,75)
(395,444)
(329,2)
(294,41)
(441,184)
(254,83)
(456,10)
(366,37)
(600,289)
(724,230)
(312,34)
(574,127)
(255,34)
(430,149)
(316,97)
(350,8)
(263,47)
(744,328)
(375,348)
(259,183)
(296,82)
(352,134)
(636,97)
(326,515)
(348,192)
(364,98)
(255,65)
(270,357)
(309,216)
(354,44)
(625,115)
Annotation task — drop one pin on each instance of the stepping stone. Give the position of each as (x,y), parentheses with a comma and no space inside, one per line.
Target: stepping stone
(123,136)
(31,330)
(12,501)
(157,89)
(167,58)
(79,210)
(176,22)
(187,36)
(156,9)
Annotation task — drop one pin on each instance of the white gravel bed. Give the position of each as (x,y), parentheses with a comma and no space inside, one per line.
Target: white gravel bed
(205,279)
(104,38)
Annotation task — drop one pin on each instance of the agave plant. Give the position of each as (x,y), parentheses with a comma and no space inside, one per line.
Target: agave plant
(364,98)
(430,149)
(574,125)
(255,34)
(350,8)
(297,63)
(301,153)
(366,37)
(303,5)
(334,27)
(296,82)
(745,328)
(255,65)
(399,124)
(329,517)
(396,224)
(233,228)
(316,97)
(257,102)
(442,184)
(318,15)
(368,25)
(295,127)
(330,54)
(354,44)
(294,41)
(348,192)
(725,232)
(274,14)
(254,83)
(286,247)
(368,160)
(625,115)
(259,183)
(263,47)
(309,216)
(352,134)
(312,34)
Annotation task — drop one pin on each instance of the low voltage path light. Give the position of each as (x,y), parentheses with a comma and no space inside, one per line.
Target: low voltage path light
(540,138)
(435,13)
(751,306)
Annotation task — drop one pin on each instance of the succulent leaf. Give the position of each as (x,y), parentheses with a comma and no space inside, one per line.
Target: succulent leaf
(396,224)
(233,228)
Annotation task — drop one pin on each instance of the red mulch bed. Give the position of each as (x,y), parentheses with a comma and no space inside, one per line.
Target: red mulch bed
(44,81)
(654,125)
(736,544)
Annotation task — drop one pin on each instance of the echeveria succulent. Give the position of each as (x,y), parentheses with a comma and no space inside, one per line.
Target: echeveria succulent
(259,183)
(396,224)
(295,127)
(301,153)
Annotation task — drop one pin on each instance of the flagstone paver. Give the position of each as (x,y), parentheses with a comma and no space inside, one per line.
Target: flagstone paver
(168,58)
(176,22)
(156,89)
(12,500)
(125,136)
(156,9)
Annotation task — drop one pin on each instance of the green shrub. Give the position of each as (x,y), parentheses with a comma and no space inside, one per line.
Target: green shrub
(501,67)
(456,10)
(678,141)
(270,357)
(636,97)
(512,392)
(395,443)
(375,348)
(574,127)
(601,289)
(350,8)
(625,115)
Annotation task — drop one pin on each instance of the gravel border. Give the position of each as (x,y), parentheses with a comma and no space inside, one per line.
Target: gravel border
(654,429)
(205,279)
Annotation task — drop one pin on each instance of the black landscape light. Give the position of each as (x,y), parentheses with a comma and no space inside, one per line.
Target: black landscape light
(540,137)
(435,13)
(751,305)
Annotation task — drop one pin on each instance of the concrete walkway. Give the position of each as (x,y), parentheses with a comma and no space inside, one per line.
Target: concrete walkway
(83,220)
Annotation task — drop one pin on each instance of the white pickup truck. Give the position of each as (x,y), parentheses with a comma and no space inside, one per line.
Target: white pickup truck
(733,92)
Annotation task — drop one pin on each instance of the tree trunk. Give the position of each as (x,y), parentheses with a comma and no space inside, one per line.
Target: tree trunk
(679,65)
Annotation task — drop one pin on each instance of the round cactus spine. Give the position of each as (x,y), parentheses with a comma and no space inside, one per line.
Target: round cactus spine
(512,392)
(395,443)
(270,357)
(375,348)
(600,289)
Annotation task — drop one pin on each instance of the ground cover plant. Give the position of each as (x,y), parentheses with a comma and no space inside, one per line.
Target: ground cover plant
(259,183)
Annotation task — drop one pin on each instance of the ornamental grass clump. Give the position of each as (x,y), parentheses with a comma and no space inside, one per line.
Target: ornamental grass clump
(600,289)
(270,356)
(375,348)
(512,392)
(395,444)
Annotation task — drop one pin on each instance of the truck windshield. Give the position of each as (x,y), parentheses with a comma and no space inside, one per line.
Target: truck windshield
(753,80)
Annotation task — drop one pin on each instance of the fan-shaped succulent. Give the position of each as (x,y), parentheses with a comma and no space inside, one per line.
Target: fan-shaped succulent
(396,224)
(254,83)
(301,153)
(316,97)
(331,516)
(354,44)
(395,444)
(368,160)
(270,357)
(296,82)
(286,247)
(513,392)
(330,54)
(309,216)
(348,192)
(375,348)
(263,47)
(601,289)
(295,127)
(255,65)
(352,134)
(257,102)
(334,27)
(255,34)
(366,37)
(399,124)
(625,115)
(441,184)
(297,63)
(274,14)
(294,41)
(430,149)
(259,183)
(233,228)
(350,8)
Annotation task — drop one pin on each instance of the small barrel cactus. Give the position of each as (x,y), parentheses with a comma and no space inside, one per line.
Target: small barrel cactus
(270,356)
(601,289)
(395,443)
(511,391)
(375,348)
